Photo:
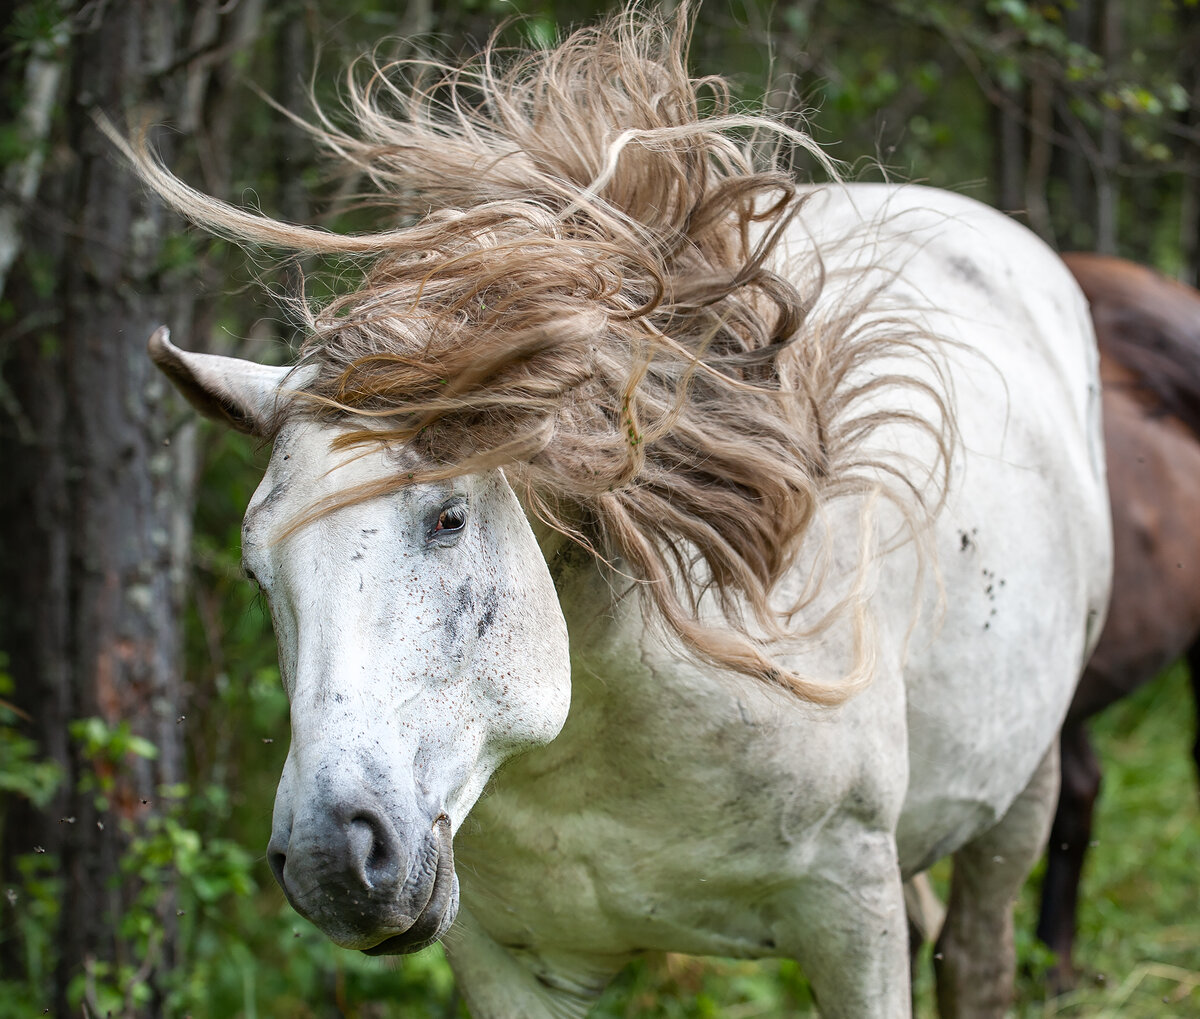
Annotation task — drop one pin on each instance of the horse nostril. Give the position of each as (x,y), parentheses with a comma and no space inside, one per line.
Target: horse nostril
(373,849)
(277,859)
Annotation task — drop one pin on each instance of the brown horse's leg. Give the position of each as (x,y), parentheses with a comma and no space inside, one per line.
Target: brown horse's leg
(1069,839)
(1193,663)
(975,958)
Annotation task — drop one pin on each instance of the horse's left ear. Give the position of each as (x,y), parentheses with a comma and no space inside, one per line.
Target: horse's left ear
(234,391)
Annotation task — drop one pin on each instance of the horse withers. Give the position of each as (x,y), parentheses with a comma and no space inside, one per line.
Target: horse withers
(662,556)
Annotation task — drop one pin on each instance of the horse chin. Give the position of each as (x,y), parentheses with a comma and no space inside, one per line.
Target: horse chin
(438,913)
(430,928)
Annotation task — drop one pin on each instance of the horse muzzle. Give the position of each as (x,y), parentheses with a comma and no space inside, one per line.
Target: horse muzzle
(354,878)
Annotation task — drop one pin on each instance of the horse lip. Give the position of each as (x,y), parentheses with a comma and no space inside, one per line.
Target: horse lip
(432,920)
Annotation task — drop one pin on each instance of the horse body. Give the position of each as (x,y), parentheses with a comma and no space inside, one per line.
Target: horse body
(685,810)
(682,807)
(859,448)
(1155,543)
(1148,328)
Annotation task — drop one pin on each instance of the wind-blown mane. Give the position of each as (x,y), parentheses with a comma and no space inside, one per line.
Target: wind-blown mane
(575,284)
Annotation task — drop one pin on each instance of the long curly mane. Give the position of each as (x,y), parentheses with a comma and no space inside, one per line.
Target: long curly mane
(575,284)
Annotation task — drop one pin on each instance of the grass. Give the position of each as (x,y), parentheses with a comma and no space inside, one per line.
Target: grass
(1139,923)
(1138,947)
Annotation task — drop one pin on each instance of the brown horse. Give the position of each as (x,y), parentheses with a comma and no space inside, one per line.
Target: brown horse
(1148,329)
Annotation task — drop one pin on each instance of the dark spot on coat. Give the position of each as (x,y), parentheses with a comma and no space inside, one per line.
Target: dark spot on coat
(969,272)
(490,604)
(466,606)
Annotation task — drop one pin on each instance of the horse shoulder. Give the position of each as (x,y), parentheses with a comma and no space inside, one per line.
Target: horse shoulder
(673,793)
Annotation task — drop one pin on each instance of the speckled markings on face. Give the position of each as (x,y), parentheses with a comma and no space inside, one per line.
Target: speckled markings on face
(417,660)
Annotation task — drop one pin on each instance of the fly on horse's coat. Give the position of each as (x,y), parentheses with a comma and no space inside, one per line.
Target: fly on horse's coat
(661,555)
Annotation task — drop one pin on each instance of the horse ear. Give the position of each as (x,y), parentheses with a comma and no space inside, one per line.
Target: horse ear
(232,390)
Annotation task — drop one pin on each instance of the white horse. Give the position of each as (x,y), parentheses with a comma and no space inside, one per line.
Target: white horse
(494,739)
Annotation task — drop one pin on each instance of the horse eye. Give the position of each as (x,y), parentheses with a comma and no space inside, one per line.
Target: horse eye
(452,518)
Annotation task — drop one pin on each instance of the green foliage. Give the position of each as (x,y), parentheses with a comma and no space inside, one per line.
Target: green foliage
(22,770)
(13,145)
(31,896)
(1138,921)
(31,910)
(42,273)
(180,252)
(108,748)
(684,987)
(37,26)
(101,741)
(185,881)
(264,961)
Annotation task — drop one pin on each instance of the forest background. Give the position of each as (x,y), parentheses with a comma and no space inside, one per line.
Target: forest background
(142,724)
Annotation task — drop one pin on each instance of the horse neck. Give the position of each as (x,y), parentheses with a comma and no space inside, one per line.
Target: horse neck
(603,613)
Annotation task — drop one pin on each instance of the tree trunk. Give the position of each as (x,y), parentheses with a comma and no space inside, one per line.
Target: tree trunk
(1009,154)
(1107,194)
(1008,146)
(1041,131)
(96,508)
(1078,232)
(1189,211)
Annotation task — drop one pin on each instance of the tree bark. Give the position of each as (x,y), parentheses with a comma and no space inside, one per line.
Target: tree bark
(1107,192)
(1189,211)
(96,509)
(43,73)
(1008,146)
(1078,233)
(1009,154)
(1041,130)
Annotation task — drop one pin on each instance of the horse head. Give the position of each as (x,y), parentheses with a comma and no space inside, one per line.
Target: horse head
(421,645)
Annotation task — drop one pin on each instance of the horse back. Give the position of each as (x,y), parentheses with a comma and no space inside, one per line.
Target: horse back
(1149,324)
(1022,539)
